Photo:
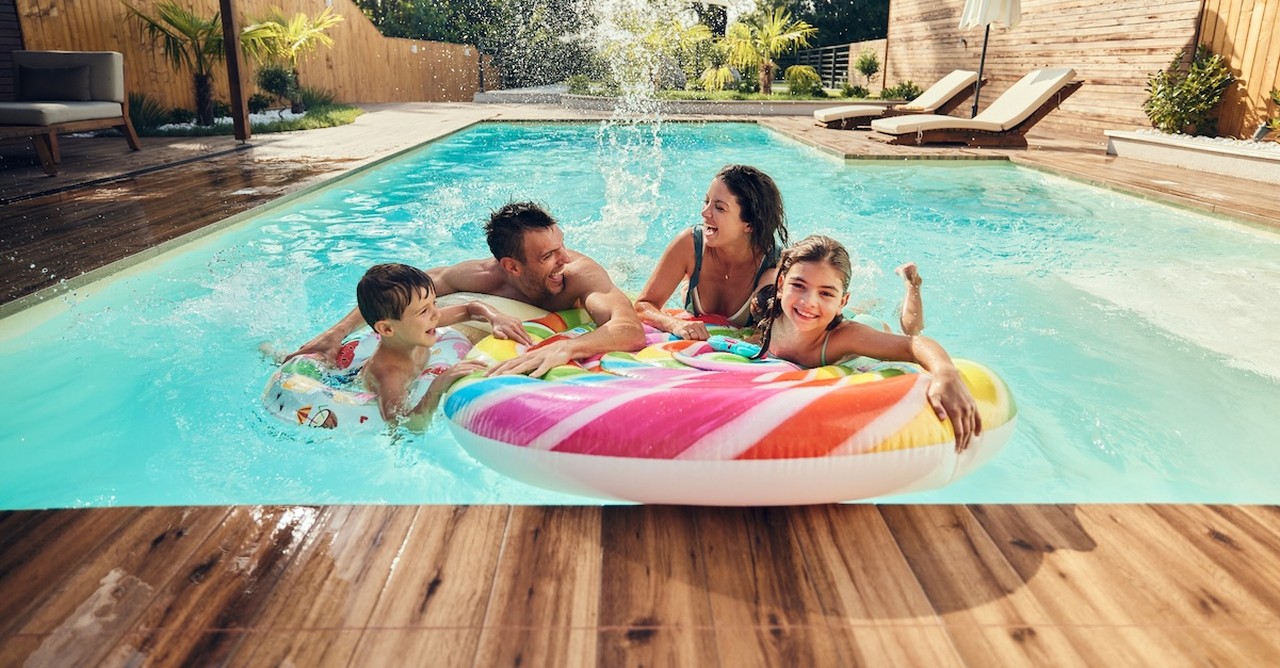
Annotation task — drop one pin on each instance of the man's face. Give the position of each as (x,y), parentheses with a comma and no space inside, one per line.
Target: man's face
(542,271)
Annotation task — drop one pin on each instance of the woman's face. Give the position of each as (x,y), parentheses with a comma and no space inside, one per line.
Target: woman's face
(812,294)
(722,222)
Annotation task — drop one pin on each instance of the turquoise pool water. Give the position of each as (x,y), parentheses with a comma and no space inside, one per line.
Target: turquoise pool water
(1140,340)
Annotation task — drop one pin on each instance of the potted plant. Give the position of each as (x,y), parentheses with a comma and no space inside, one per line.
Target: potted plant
(1184,97)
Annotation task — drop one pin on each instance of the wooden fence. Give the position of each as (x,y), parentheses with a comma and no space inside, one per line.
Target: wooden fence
(1113,45)
(1247,34)
(362,66)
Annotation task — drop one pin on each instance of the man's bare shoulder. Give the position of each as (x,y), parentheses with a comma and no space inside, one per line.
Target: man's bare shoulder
(484,275)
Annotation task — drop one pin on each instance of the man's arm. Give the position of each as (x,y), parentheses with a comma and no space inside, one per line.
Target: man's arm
(617,326)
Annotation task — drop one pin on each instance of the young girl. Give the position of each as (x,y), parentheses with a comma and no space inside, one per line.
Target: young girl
(802,324)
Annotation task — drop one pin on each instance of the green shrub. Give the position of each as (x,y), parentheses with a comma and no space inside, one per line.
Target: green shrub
(278,81)
(905,90)
(317,97)
(1184,97)
(579,84)
(802,80)
(179,116)
(145,112)
(854,90)
(259,103)
(867,63)
(221,109)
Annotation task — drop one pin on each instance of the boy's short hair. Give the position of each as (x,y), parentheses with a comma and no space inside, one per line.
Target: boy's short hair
(386,290)
(506,227)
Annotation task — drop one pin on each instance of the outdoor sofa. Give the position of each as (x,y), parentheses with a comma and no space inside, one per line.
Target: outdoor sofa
(65,91)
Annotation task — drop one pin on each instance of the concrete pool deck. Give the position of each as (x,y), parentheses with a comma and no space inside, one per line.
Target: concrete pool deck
(588,585)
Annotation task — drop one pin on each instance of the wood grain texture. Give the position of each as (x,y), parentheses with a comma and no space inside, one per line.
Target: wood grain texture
(546,592)
(763,600)
(221,589)
(442,578)
(1053,585)
(656,611)
(337,577)
(988,610)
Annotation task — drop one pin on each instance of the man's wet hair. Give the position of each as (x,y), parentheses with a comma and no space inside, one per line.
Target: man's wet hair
(386,290)
(506,227)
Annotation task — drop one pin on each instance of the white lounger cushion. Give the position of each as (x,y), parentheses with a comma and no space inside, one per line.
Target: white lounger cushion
(1014,106)
(937,95)
(850,111)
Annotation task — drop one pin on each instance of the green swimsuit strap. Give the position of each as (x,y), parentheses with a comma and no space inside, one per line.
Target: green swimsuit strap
(824,347)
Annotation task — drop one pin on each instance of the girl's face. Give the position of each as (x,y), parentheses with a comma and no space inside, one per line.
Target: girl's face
(722,222)
(812,294)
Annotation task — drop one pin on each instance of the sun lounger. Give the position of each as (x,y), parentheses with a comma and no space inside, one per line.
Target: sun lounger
(1004,123)
(941,98)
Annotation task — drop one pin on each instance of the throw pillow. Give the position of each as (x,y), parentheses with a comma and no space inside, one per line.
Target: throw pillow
(50,84)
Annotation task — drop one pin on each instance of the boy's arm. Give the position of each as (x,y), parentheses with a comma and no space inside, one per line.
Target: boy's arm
(503,325)
(617,327)
(327,343)
(419,417)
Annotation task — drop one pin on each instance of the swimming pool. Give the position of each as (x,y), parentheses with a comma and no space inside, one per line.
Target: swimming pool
(1140,340)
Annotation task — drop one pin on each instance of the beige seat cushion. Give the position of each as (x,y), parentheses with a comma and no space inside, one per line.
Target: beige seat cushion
(50,113)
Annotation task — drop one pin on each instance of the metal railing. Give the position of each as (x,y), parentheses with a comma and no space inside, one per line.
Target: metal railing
(831,63)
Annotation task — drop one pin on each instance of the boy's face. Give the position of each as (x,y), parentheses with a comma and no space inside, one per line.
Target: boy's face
(417,325)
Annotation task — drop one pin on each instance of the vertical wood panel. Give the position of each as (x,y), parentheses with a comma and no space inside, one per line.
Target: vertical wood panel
(362,66)
(1114,46)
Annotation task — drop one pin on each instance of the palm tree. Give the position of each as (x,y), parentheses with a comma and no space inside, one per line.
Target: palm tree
(188,42)
(759,44)
(277,37)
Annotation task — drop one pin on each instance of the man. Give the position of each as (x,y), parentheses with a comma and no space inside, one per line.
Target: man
(529,264)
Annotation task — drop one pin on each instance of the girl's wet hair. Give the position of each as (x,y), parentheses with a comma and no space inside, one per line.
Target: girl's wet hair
(814,248)
(386,290)
(761,203)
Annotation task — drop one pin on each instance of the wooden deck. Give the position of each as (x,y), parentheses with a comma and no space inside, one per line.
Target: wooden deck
(487,585)
(628,585)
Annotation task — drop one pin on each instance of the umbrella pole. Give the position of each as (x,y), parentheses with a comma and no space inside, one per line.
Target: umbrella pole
(977,85)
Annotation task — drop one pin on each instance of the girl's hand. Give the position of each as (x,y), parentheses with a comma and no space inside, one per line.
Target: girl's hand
(951,399)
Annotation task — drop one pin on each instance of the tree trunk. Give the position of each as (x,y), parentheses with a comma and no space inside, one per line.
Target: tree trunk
(204,99)
(295,100)
(766,78)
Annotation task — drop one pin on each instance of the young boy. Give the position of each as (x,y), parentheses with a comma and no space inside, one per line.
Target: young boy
(399,303)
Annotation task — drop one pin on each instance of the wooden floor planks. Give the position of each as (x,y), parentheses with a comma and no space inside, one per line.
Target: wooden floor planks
(627,585)
(1046,585)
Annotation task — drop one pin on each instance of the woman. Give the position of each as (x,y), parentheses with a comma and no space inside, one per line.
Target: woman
(733,253)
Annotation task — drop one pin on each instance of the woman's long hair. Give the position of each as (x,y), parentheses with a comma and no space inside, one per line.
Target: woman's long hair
(814,248)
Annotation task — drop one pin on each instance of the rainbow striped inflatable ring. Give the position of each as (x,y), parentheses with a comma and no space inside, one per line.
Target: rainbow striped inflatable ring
(307,391)
(638,427)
